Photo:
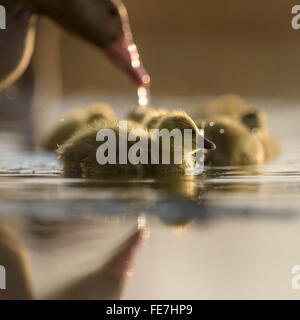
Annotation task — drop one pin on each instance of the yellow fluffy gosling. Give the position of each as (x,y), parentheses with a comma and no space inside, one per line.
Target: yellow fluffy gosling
(79,152)
(235,143)
(73,121)
(236,108)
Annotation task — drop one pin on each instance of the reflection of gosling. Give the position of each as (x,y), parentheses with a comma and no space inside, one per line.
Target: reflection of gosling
(235,144)
(74,121)
(13,257)
(80,151)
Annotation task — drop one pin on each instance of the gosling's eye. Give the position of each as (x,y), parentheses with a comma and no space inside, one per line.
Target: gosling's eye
(113,12)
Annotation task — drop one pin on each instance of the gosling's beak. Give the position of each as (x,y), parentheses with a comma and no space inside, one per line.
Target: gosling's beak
(123,53)
(209,144)
(206,143)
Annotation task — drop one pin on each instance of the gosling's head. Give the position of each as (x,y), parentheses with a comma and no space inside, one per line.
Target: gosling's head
(235,144)
(180,120)
(137,114)
(153,118)
(254,119)
(100,112)
(103,23)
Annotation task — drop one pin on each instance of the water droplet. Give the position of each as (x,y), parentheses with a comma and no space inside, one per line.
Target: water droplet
(143,96)
(141,221)
(135,63)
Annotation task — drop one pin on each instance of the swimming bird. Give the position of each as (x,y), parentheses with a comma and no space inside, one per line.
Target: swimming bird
(270,145)
(255,119)
(103,23)
(75,120)
(160,118)
(232,106)
(252,117)
(176,119)
(179,119)
(256,122)
(79,153)
(235,144)
(226,105)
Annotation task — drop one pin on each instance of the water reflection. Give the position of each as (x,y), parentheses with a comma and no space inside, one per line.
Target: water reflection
(76,225)
(105,281)
(214,194)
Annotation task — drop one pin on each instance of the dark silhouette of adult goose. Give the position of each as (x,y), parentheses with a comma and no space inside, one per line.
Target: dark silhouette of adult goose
(103,23)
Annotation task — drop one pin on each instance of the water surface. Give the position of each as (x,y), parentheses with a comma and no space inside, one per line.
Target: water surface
(239,234)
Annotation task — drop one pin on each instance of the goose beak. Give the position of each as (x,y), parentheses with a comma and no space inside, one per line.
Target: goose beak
(123,53)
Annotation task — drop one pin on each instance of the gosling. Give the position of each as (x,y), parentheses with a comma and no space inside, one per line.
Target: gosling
(142,114)
(236,146)
(226,105)
(78,154)
(255,121)
(75,120)
(236,108)
(138,113)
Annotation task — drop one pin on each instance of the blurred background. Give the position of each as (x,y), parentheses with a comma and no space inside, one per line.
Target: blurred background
(192,48)
(195,47)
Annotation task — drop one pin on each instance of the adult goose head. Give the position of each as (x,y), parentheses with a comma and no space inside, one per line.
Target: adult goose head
(103,23)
